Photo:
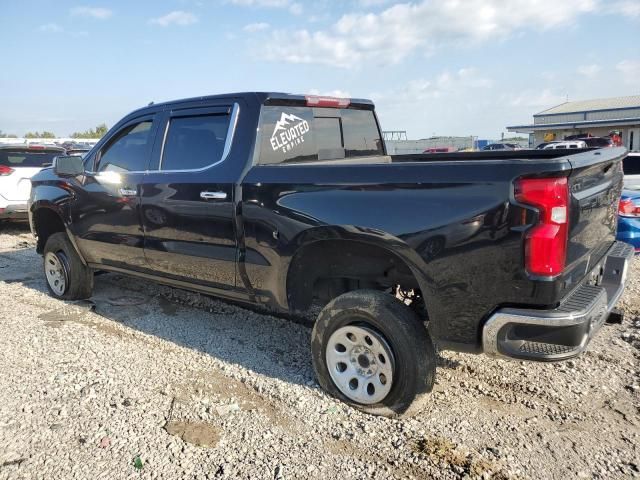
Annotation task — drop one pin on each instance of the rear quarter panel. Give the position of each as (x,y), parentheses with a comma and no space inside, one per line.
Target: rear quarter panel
(453,223)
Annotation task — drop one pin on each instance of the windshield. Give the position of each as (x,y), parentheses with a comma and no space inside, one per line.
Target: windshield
(22,158)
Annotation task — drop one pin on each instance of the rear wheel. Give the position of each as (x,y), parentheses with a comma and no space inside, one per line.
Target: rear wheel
(67,277)
(373,352)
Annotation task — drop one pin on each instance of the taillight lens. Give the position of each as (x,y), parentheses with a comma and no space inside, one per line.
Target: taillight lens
(4,170)
(626,208)
(546,242)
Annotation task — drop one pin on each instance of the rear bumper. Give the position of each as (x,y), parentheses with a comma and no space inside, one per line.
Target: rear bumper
(563,332)
(13,210)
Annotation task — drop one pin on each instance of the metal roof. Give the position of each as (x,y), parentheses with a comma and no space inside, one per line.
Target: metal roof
(573,125)
(594,105)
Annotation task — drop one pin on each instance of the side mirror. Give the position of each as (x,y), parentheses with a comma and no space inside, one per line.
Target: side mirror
(68,166)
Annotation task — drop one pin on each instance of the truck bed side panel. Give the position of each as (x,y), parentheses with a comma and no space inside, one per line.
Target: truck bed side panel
(450,221)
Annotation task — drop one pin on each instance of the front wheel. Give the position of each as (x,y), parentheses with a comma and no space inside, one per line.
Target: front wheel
(374,353)
(67,277)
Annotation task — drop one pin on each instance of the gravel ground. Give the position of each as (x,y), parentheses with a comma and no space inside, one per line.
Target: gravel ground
(152,382)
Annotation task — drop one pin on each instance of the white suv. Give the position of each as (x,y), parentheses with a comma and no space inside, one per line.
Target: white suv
(18,163)
(566,144)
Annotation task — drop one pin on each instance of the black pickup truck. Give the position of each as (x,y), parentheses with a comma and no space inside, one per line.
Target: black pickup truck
(288,202)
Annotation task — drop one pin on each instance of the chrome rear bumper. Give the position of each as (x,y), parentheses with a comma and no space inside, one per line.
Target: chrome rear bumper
(563,332)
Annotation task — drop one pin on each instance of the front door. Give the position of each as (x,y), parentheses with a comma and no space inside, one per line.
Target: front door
(106,220)
(187,201)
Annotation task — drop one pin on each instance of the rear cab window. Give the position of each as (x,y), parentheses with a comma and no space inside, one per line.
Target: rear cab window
(631,165)
(27,158)
(314,134)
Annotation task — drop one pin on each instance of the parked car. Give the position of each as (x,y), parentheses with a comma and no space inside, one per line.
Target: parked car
(287,202)
(502,146)
(78,150)
(573,144)
(18,163)
(440,150)
(598,142)
(631,167)
(629,217)
(591,141)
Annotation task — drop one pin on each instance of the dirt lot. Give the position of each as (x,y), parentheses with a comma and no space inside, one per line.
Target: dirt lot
(153,382)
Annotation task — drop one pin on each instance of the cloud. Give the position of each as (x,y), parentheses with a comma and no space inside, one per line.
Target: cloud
(177,17)
(93,12)
(405,28)
(589,70)
(51,28)
(262,3)
(630,8)
(256,27)
(630,70)
(534,99)
(294,7)
(372,3)
(447,83)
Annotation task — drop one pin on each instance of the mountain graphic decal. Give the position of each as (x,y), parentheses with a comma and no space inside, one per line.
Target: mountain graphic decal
(288,132)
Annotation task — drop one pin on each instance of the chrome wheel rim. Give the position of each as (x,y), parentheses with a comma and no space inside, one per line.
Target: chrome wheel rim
(361,364)
(56,273)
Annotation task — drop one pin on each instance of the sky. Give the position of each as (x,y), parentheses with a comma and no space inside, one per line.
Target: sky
(433,67)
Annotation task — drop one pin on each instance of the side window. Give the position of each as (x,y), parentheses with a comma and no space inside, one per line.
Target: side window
(194,142)
(128,151)
(631,165)
(305,134)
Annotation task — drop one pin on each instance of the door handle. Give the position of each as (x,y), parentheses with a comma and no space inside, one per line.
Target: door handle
(128,192)
(213,195)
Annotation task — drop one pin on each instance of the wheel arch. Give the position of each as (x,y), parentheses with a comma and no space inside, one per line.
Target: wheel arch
(338,260)
(46,219)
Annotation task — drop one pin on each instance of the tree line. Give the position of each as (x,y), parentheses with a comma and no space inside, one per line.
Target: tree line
(97,132)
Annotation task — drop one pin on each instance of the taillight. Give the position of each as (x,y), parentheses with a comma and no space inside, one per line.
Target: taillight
(546,242)
(626,208)
(331,102)
(4,170)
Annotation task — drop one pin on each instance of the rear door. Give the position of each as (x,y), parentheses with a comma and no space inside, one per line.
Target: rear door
(17,166)
(187,205)
(106,219)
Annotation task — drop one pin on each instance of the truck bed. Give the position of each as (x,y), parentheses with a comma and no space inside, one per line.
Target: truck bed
(488,155)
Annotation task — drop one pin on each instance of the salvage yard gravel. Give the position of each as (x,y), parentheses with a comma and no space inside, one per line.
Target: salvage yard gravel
(146,381)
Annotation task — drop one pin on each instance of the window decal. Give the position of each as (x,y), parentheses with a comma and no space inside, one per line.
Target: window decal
(288,132)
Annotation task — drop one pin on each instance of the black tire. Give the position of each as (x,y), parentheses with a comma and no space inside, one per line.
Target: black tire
(406,336)
(78,277)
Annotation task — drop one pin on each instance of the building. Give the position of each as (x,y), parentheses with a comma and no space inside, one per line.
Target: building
(600,117)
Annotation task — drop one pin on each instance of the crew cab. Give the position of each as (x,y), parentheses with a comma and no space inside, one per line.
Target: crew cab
(18,163)
(289,202)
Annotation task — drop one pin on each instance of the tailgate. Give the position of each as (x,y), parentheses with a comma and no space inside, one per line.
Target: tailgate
(595,185)
(17,185)
(18,164)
